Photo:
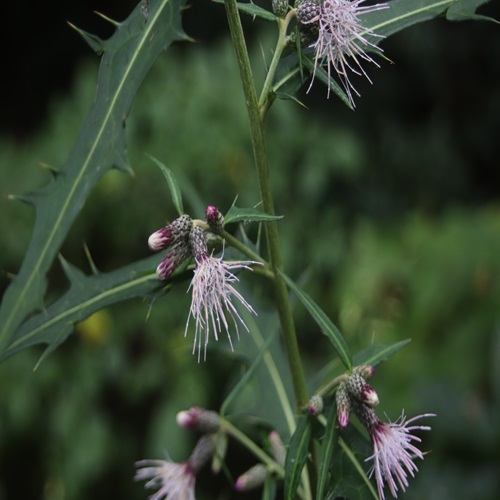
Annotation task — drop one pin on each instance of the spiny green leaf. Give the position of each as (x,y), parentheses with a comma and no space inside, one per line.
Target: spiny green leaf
(100,146)
(253,10)
(323,321)
(464,10)
(173,185)
(327,448)
(86,295)
(404,13)
(235,214)
(374,354)
(93,41)
(296,456)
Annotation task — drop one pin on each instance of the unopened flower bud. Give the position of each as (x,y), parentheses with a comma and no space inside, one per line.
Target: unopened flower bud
(198,243)
(220,452)
(361,390)
(168,235)
(277,447)
(343,402)
(202,453)
(366,371)
(315,405)
(199,419)
(215,219)
(280,7)
(252,478)
(179,251)
(308,11)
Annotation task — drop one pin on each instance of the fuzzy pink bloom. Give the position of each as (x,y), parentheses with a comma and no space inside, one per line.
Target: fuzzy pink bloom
(173,481)
(212,303)
(342,40)
(394,452)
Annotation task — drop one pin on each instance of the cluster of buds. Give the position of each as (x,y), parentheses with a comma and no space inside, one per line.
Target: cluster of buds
(213,281)
(340,42)
(393,448)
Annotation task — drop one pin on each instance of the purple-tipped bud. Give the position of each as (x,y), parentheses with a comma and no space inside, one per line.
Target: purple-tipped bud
(168,235)
(366,371)
(161,239)
(361,390)
(177,254)
(198,244)
(343,405)
(277,447)
(214,219)
(315,405)
(202,453)
(252,478)
(199,419)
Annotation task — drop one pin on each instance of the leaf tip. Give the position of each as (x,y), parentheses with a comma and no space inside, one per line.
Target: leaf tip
(93,41)
(108,19)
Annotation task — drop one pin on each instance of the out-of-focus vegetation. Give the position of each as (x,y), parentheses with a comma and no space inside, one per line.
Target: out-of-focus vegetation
(392,218)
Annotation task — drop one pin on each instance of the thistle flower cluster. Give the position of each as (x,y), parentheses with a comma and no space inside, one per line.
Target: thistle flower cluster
(213,307)
(340,40)
(393,443)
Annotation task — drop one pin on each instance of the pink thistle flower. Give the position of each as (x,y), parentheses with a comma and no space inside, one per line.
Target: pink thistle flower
(175,481)
(213,293)
(394,452)
(342,41)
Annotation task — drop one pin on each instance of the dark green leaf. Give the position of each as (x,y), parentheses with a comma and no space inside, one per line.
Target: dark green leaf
(296,456)
(100,146)
(323,321)
(374,354)
(86,295)
(235,214)
(464,10)
(173,185)
(327,449)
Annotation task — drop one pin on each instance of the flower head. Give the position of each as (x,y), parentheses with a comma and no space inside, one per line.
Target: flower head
(175,481)
(213,293)
(394,450)
(340,39)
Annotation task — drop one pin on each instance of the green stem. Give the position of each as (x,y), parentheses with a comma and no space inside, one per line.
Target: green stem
(267,94)
(234,432)
(260,157)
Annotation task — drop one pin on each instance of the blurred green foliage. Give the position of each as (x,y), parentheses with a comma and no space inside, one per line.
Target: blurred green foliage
(388,223)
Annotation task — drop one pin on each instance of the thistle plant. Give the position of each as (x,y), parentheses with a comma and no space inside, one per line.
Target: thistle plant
(224,257)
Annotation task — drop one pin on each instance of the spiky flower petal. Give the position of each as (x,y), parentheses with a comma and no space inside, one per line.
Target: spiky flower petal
(175,481)
(394,450)
(342,42)
(213,292)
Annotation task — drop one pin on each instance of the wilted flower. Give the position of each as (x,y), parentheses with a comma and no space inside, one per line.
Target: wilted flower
(393,448)
(341,41)
(213,293)
(175,236)
(172,480)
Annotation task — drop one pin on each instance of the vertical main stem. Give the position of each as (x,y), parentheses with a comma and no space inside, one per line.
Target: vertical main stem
(261,163)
